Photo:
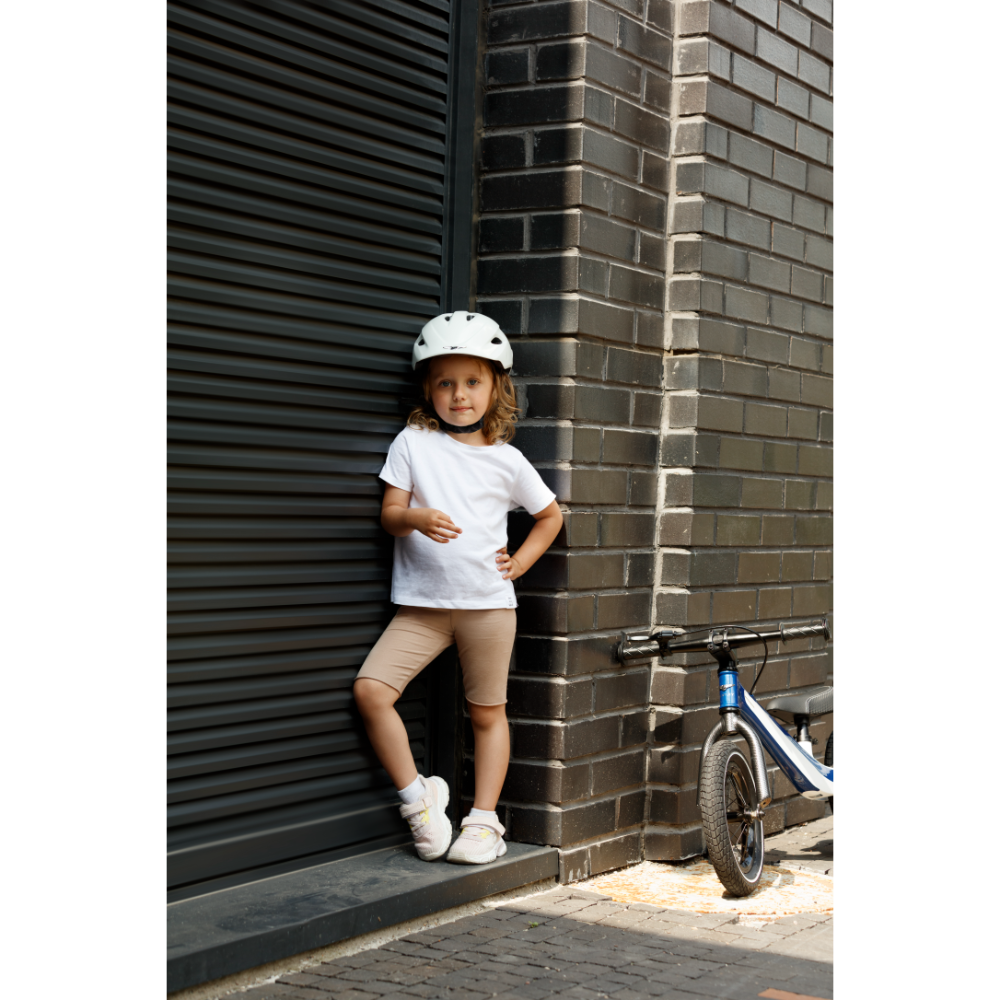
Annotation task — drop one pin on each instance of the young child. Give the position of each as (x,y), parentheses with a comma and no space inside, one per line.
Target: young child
(451,478)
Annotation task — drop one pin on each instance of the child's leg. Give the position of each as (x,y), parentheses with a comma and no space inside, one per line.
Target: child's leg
(485,640)
(492,750)
(413,638)
(376,701)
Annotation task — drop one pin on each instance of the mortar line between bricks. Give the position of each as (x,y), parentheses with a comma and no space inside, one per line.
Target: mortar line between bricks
(584,253)
(591,380)
(755,137)
(589,800)
(756,60)
(699,117)
(589,717)
(597,757)
(718,356)
(755,98)
(698,236)
(705,198)
(574,166)
(760,474)
(712,314)
(712,199)
(750,134)
(738,396)
(571,251)
(599,673)
(711,276)
(586,39)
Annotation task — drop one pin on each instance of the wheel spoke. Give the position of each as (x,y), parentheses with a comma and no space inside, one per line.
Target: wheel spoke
(740,846)
(744,839)
(739,794)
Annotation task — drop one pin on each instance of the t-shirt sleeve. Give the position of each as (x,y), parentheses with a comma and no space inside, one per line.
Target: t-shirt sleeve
(529,491)
(397,470)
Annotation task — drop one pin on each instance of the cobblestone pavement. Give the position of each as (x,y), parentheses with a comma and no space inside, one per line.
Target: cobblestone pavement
(572,942)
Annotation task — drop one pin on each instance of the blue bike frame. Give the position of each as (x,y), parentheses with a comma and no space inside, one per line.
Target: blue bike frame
(811,777)
(743,716)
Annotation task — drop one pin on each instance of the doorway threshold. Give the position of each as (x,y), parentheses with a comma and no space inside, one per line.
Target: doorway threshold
(234,929)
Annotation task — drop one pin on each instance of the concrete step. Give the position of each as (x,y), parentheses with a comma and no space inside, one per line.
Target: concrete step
(238,928)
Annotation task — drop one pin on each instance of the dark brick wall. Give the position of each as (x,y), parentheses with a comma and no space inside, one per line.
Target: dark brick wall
(745,524)
(655,235)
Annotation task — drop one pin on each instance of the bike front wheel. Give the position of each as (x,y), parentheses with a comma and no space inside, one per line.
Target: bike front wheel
(828,760)
(731,819)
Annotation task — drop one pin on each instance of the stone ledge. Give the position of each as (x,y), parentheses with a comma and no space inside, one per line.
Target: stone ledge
(229,931)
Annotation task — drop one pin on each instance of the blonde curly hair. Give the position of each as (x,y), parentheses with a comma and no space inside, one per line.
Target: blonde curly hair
(498,424)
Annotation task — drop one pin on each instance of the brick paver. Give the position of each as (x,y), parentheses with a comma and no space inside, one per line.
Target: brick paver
(807,846)
(574,943)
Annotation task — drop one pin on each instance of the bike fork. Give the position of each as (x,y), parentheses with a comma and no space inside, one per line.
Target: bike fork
(731,724)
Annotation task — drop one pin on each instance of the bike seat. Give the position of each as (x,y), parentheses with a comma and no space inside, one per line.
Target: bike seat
(817,703)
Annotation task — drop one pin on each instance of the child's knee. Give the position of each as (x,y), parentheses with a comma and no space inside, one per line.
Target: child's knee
(487,715)
(371,695)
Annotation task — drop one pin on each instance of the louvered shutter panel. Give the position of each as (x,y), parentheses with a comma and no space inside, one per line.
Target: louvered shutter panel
(307,213)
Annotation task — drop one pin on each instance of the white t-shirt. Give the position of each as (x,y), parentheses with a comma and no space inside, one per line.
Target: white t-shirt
(475,487)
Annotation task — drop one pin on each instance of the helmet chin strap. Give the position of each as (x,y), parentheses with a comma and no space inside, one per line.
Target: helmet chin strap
(455,429)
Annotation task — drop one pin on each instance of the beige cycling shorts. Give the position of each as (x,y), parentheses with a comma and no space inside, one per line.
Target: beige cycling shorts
(485,640)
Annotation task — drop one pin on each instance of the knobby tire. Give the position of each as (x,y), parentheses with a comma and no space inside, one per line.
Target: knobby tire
(727,785)
(828,760)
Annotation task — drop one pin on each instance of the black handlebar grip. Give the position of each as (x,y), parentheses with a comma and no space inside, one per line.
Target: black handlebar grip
(627,652)
(804,631)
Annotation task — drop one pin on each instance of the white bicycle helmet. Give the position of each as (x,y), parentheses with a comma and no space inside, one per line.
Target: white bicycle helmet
(463,333)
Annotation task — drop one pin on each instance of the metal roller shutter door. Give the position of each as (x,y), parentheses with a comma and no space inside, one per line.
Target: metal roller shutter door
(310,177)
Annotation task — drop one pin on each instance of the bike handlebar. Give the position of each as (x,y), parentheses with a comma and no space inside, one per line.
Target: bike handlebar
(674,641)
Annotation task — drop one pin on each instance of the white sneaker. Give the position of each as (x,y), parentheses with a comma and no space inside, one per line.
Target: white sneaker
(480,842)
(430,827)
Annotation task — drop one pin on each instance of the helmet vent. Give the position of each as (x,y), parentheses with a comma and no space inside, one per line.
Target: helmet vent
(496,340)
(447,318)
(420,341)
(468,316)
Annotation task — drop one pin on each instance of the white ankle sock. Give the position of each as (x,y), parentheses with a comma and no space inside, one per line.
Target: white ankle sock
(475,813)
(413,792)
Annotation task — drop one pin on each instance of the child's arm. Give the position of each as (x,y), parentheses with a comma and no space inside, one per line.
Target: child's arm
(400,519)
(542,535)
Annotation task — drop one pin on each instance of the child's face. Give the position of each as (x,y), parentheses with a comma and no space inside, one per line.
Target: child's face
(460,388)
